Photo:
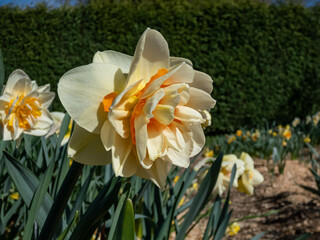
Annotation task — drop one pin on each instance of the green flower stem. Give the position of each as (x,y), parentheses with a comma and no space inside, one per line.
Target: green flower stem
(60,202)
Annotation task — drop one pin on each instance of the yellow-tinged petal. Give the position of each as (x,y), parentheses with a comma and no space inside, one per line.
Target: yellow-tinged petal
(187,114)
(108,135)
(202,81)
(151,54)
(200,100)
(157,173)
(81,91)
(164,114)
(87,148)
(124,162)
(14,77)
(123,61)
(141,135)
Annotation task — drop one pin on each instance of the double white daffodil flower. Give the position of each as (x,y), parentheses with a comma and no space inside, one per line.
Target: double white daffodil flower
(23,107)
(138,113)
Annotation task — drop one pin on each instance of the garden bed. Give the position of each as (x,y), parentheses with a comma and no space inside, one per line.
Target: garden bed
(298,211)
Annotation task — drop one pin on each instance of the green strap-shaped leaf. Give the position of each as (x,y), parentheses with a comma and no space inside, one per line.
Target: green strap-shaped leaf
(27,183)
(202,196)
(2,72)
(260,235)
(116,225)
(37,201)
(98,208)
(125,223)
(65,233)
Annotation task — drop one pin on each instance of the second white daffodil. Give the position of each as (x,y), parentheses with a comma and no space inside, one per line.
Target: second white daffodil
(23,107)
(140,112)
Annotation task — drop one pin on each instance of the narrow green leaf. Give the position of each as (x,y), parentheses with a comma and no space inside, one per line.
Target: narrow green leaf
(126,225)
(37,201)
(81,196)
(27,183)
(260,235)
(164,231)
(116,223)
(98,208)
(315,191)
(2,72)
(65,233)
(222,227)
(201,197)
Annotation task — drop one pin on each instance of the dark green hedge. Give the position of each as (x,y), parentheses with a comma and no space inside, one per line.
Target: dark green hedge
(264,59)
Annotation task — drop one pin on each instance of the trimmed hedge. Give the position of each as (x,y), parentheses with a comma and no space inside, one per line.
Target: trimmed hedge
(264,59)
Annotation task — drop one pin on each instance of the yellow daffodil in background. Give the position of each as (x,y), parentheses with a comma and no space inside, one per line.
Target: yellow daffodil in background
(296,122)
(274,134)
(225,173)
(248,133)
(176,178)
(195,186)
(140,112)
(23,107)
(181,201)
(239,133)
(307,139)
(233,229)
(280,129)
(250,177)
(231,139)
(270,131)
(287,134)
(255,135)
(14,196)
(208,153)
(57,118)
(284,143)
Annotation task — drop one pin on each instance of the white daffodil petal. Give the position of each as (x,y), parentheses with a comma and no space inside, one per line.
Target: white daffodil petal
(87,148)
(257,177)
(155,85)
(45,120)
(46,98)
(122,165)
(107,135)
(202,81)
(141,135)
(151,54)
(123,61)
(14,77)
(247,160)
(155,142)
(184,74)
(82,90)
(200,100)
(178,158)
(198,138)
(187,114)
(152,103)
(164,114)
(157,173)
(178,60)
(22,87)
(41,89)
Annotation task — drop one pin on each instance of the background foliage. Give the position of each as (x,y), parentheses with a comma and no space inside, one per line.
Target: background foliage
(264,59)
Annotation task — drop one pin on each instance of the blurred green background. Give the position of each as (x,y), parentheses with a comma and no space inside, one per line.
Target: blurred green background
(264,58)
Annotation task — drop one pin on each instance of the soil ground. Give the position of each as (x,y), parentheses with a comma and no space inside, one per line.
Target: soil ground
(298,211)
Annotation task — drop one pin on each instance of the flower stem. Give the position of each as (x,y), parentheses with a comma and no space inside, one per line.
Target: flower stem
(60,202)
